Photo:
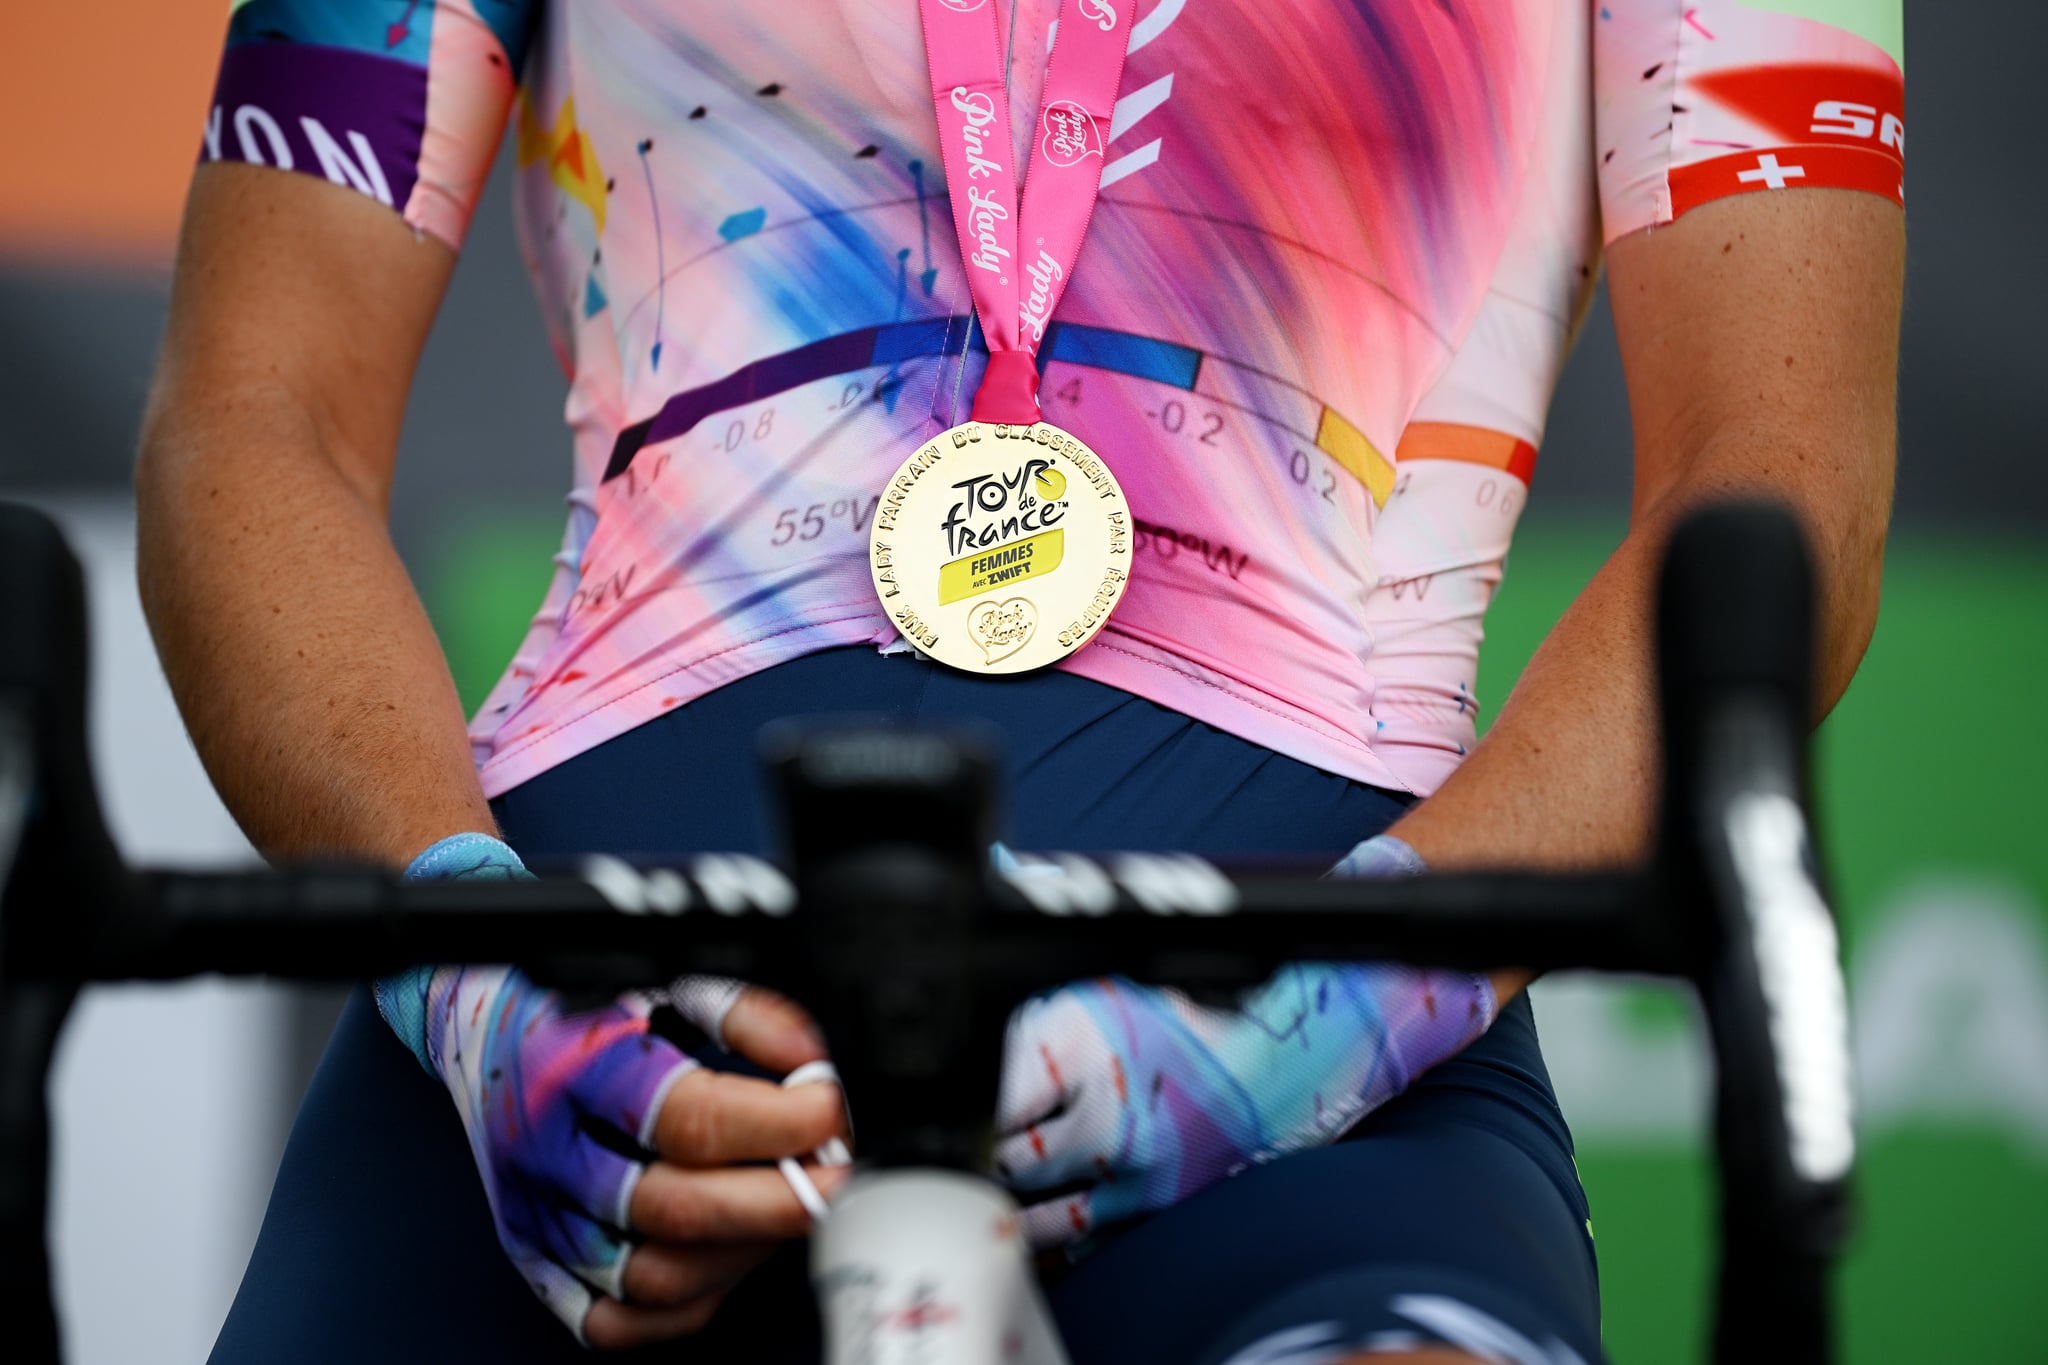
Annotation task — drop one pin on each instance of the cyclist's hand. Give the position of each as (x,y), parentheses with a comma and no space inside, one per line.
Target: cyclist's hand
(704,1221)
(606,1152)
(1120,1099)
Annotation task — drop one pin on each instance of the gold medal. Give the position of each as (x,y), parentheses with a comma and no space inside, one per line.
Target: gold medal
(999,548)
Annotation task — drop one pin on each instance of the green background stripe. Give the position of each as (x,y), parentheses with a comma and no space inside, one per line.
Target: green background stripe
(1881,21)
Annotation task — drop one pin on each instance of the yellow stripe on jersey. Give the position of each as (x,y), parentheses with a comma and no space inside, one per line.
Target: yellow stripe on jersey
(1348,446)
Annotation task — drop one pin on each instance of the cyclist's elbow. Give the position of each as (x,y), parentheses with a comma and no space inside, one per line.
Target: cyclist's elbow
(1847,519)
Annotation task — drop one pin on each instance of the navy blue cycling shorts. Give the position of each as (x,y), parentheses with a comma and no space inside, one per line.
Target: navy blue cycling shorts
(1452,1215)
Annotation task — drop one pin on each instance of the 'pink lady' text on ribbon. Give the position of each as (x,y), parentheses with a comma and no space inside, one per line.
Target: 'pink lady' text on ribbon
(964,50)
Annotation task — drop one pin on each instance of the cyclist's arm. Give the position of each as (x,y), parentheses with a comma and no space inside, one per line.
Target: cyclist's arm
(299,653)
(1759,335)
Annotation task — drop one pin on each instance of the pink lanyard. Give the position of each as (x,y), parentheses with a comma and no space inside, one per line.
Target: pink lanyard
(1015,291)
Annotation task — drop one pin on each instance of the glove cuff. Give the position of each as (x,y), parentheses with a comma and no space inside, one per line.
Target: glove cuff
(467,857)
(1381,856)
(1385,856)
(402,1000)
(402,997)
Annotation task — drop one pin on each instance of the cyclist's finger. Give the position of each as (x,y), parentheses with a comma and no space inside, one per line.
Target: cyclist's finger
(735,1204)
(1056,1052)
(614,1326)
(1065,1148)
(624,1077)
(1033,1082)
(705,1001)
(567,1297)
(1062,1218)
(538,1222)
(1059,1221)
(580,1176)
(659,1275)
(714,1118)
(772,1030)
(592,1251)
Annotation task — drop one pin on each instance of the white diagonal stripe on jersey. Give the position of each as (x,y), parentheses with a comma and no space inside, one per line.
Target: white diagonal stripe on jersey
(1137,104)
(1130,163)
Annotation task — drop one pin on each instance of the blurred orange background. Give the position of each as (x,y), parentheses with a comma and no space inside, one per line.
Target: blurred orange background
(104,108)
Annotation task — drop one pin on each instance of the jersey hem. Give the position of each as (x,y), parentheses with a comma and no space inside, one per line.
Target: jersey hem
(1113,659)
(1172,680)
(642,700)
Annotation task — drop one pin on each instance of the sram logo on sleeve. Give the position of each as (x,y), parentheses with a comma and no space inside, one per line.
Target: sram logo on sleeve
(1799,126)
(1797,102)
(1847,118)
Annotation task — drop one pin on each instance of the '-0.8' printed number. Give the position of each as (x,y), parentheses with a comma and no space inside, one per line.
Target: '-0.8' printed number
(736,430)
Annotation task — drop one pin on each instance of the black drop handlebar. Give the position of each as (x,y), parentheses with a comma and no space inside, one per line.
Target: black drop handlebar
(885,918)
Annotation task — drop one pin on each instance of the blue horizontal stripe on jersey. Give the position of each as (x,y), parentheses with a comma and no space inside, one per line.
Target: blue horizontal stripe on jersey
(1101,348)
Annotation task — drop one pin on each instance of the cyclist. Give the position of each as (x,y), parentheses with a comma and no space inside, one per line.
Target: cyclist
(1335,264)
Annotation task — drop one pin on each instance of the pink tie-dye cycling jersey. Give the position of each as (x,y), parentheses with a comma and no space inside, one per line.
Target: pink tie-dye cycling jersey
(1335,267)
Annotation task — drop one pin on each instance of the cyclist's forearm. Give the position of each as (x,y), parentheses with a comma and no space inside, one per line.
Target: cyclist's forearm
(1568,775)
(307,672)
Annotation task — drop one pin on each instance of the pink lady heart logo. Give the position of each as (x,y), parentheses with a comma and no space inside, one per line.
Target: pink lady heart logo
(963,6)
(1070,133)
(1101,11)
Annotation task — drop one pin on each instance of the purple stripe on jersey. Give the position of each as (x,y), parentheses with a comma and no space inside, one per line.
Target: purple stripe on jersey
(355,118)
(777,374)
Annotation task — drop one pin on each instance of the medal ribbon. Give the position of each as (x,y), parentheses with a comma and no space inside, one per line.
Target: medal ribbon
(1019,250)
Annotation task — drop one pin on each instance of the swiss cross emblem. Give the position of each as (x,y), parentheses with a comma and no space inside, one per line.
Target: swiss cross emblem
(1773,176)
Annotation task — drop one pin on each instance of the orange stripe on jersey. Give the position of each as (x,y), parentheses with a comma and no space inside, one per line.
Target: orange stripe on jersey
(1808,166)
(1467,445)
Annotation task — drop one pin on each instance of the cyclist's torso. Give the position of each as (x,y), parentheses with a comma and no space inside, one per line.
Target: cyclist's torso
(1324,298)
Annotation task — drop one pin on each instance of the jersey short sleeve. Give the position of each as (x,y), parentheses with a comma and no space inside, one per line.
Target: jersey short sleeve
(1696,100)
(402,100)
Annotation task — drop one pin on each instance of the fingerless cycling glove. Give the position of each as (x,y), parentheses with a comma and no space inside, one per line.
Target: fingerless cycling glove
(533,1083)
(1147,1097)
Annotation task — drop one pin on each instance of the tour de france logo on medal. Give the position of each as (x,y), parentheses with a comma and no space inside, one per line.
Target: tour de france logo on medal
(1004,543)
(1001,548)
